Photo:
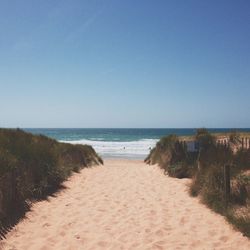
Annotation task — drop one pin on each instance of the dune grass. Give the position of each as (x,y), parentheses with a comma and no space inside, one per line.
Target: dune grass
(33,166)
(206,168)
(171,155)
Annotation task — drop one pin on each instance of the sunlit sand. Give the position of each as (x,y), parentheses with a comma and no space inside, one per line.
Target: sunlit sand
(124,204)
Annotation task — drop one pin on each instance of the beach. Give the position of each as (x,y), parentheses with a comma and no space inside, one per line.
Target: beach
(124,204)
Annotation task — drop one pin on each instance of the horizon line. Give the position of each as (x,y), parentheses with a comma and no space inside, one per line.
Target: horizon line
(125,127)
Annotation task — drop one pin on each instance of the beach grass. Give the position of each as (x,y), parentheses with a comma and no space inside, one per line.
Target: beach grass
(33,166)
(206,168)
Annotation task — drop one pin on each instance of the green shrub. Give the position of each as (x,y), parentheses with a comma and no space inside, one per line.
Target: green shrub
(240,222)
(240,189)
(172,156)
(204,138)
(33,166)
(242,159)
(208,181)
(180,170)
(207,171)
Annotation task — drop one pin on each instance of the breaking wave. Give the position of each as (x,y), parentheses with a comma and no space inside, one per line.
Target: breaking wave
(120,149)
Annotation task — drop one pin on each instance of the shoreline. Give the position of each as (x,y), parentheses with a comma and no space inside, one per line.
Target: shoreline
(122,159)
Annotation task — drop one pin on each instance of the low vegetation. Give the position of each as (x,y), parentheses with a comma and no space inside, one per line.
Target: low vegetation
(31,167)
(206,168)
(172,156)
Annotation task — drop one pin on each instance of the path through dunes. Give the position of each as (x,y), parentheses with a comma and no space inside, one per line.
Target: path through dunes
(123,205)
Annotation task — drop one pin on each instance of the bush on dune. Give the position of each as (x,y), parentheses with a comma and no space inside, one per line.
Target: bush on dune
(211,158)
(32,166)
(207,171)
(208,181)
(172,156)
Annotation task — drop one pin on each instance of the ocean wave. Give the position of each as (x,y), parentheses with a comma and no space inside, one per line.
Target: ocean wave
(133,149)
(96,139)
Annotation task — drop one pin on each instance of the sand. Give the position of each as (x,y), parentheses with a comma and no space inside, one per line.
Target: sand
(123,205)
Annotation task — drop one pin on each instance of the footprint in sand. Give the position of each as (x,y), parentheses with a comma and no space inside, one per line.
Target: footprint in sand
(224,238)
(43,248)
(159,233)
(152,212)
(123,237)
(183,221)
(148,240)
(101,210)
(211,233)
(102,243)
(63,233)
(77,236)
(195,243)
(134,245)
(159,245)
(168,228)
(216,245)
(46,225)
(96,220)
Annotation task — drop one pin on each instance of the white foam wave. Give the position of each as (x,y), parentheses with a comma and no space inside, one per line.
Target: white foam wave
(132,149)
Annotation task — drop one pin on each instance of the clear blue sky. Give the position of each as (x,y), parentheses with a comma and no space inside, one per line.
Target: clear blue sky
(116,63)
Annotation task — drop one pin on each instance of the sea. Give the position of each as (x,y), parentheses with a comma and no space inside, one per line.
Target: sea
(129,143)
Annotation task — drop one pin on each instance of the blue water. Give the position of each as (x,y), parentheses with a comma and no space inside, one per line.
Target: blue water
(118,143)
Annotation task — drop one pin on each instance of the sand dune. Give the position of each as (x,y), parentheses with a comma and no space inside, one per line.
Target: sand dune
(123,205)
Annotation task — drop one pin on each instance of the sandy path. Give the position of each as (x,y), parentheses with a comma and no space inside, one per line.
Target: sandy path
(123,205)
